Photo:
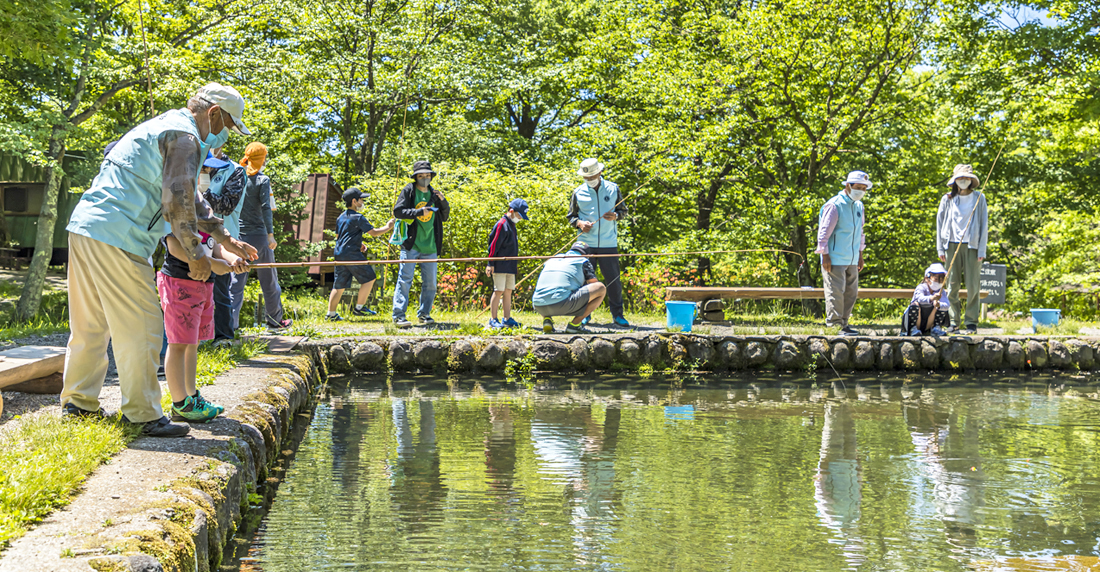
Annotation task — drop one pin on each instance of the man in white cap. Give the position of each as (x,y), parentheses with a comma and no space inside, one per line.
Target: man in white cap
(595,209)
(146,188)
(840,242)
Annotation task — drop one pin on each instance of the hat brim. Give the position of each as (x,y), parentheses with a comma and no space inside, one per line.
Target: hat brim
(522,214)
(215,163)
(862,182)
(238,126)
(599,169)
(422,171)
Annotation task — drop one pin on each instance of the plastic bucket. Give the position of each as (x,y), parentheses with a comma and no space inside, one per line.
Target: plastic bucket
(1044,317)
(680,315)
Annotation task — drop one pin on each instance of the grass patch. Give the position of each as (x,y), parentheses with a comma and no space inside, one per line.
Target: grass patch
(45,459)
(39,326)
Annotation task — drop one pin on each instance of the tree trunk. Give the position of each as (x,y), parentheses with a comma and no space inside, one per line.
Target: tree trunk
(800,243)
(31,297)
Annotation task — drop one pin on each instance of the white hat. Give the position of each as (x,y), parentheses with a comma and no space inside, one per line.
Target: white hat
(228,99)
(936,268)
(590,168)
(858,178)
(963,171)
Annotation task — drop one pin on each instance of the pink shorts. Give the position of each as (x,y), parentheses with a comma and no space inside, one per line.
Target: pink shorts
(188,309)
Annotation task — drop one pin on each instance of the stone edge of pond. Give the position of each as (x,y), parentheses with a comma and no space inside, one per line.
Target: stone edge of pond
(173,504)
(635,352)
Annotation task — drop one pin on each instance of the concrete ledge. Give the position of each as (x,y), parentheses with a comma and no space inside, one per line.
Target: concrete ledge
(703,353)
(173,504)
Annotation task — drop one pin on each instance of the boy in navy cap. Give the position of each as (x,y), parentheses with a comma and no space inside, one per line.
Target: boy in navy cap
(503,242)
(350,227)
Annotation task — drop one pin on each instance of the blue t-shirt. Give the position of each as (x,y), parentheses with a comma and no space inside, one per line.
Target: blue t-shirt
(350,227)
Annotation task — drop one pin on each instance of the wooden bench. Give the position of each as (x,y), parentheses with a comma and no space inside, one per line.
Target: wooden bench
(703,293)
(29,363)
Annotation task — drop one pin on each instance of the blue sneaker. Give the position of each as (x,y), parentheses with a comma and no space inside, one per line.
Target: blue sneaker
(621,321)
(511,323)
(938,331)
(495,324)
(915,332)
(586,319)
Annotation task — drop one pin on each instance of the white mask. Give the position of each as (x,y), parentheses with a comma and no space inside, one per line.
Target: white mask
(204,182)
(936,286)
(963,183)
(593,183)
(857,194)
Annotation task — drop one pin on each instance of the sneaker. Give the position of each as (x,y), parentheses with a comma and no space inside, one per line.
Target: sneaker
(571,328)
(426,320)
(364,312)
(849,331)
(511,323)
(402,323)
(970,331)
(71,411)
(334,317)
(586,319)
(222,343)
(161,428)
(547,326)
(160,369)
(196,409)
(915,332)
(495,324)
(282,326)
(621,321)
(938,331)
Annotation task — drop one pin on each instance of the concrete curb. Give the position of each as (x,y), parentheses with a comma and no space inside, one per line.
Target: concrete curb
(173,504)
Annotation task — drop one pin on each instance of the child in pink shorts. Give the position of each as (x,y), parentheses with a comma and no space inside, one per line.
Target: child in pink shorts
(188,319)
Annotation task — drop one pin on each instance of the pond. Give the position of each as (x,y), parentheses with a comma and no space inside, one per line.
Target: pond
(735,474)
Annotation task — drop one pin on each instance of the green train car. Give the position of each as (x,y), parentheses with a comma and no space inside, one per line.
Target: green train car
(22,191)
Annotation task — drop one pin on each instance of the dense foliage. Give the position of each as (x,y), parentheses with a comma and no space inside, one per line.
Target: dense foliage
(726,124)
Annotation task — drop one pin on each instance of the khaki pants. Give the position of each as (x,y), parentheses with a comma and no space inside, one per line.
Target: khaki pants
(841,288)
(967,263)
(112,296)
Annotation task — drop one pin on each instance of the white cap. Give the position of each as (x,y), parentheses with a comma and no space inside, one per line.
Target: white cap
(590,168)
(936,268)
(858,178)
(228,99)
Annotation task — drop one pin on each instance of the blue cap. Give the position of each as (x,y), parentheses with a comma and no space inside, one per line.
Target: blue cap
(214,162)
(520,206)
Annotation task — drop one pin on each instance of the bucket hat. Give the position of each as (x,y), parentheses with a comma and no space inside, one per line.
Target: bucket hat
(590,168)
(935,268)
(422,167)
(962,171)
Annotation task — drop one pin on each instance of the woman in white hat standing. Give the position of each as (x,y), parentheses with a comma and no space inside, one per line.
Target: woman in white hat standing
(963,220)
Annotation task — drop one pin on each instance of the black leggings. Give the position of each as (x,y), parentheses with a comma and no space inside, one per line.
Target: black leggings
(916,316)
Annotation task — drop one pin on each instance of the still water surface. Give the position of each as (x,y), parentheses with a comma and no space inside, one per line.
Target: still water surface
(868,476)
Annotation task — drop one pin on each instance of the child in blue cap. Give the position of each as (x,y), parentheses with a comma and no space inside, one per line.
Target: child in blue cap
(504,242)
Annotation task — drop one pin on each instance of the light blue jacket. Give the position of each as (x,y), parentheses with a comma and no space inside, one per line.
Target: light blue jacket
(591,205)
(122,208)
(844,243)
(560,277)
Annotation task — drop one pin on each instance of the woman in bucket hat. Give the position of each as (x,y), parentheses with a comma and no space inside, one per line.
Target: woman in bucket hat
(963,219)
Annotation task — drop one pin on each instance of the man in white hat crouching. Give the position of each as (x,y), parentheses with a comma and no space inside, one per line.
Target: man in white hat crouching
(840,242)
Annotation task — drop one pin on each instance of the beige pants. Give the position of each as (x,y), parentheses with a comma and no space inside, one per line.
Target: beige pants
(967,263)
(112,296)
(841,288)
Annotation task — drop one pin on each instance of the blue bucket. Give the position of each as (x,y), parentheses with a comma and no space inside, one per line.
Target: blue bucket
(1044,317)
(680,315)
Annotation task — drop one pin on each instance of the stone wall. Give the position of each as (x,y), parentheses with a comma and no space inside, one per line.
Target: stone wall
(704,353)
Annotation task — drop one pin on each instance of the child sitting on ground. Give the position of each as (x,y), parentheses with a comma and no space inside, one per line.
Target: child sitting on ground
(188,306)
(928,311)
(350,228)
(503,241)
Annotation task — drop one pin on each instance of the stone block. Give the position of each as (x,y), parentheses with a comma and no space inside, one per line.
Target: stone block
(700,350)
(461,356)
(655,351)
(989,354)
(929,354)
(1080,353)
(676,350)
(886,356)
(730,355)
(429,353)
(630,353)
(756,354)
(788,356)
(490,358)
(1015,356)
(910,355)
(956,355)
(1037,357)
(582,357)
(552,355)
(368,356)
(841,355)
(338,360)
(401,356)
(1059,355)
(864,357)
(603,353)
(514,349)
(819,353)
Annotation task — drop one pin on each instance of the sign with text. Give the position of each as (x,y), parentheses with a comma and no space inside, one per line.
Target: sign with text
(994,280)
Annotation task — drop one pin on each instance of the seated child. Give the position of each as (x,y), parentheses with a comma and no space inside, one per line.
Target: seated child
(188,307)
(928,312)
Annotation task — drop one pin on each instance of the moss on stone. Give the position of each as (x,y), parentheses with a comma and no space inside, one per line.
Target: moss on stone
(172,546)
(108,565)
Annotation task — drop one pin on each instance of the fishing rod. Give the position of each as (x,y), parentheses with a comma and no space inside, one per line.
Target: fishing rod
(502,258)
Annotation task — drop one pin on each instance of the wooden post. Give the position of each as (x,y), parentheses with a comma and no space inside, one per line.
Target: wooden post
(984,308)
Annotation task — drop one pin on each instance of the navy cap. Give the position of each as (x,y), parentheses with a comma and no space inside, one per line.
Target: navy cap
(520,206)
(353,193)
(214,162)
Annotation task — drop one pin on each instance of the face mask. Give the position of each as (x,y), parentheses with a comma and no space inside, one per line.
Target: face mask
(516,218)
(857,194)
(423,181)
(204,182)
(963,183)
(215,141)
(936,286)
